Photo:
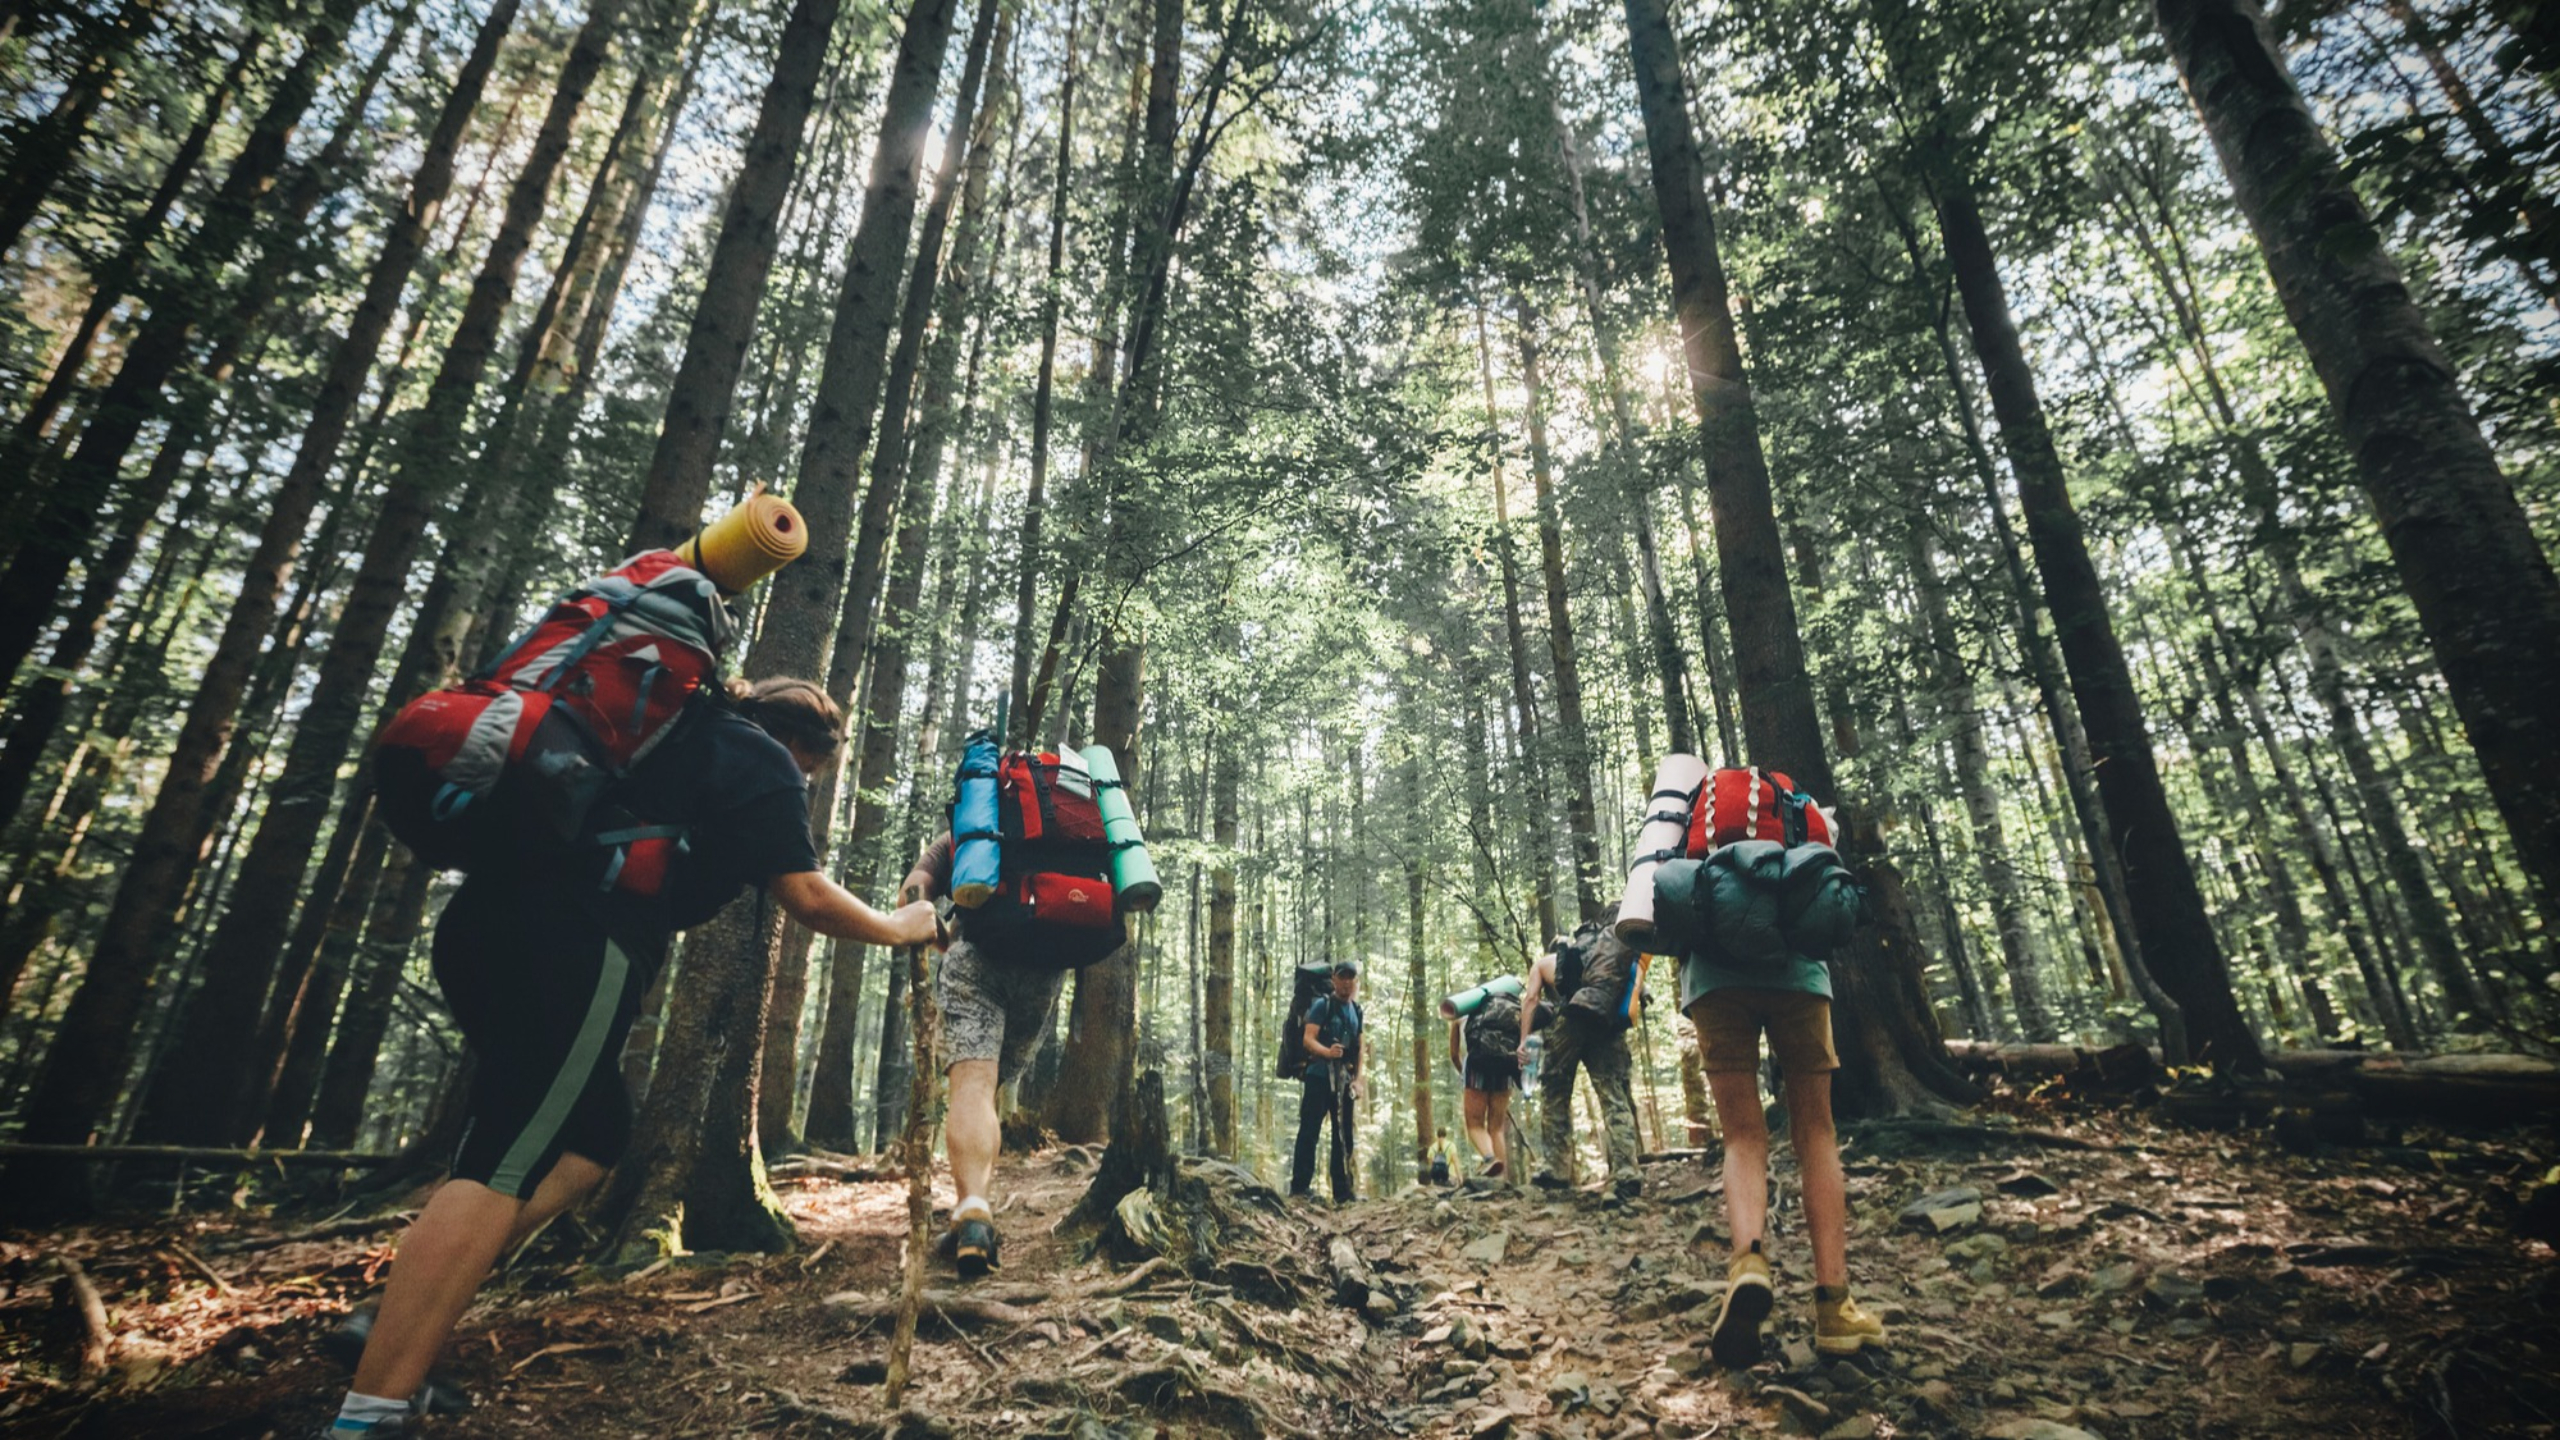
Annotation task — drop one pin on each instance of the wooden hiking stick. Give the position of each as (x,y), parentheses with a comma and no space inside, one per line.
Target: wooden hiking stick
(915,1151)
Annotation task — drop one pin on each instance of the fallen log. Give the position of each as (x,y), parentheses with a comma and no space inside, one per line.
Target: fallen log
(79,1295)
(954,1308)
(191,1154)
(2449,1089)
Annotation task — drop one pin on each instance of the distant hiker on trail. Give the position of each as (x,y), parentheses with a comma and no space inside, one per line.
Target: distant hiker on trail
(1590,972)
(1484,1045)
(1331,1039)
(544,968)
(1730,1007)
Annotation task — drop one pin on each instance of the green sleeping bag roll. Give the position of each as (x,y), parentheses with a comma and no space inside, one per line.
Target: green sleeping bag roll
(1134,885)
(1468,1002)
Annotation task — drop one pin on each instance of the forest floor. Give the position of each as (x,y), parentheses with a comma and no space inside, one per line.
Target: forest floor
(2114,1279)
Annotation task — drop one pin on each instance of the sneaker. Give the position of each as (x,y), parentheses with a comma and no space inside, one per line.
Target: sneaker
(1627,1187)
(1839,1326)
(974,1246)
(388,1425)
(346,1340)
(1550,1181)
(1735,1341)
(1493,1171)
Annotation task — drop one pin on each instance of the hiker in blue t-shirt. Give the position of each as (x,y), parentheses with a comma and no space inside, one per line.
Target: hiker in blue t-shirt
(1332,1080)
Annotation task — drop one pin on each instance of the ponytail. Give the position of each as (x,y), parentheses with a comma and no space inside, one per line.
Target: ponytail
(791,710)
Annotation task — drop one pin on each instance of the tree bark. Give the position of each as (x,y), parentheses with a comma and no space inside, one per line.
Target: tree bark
(2177,941)
(724,317)
(1573,748)
(2482,585)
(1218,985)
(1881,1017)
(1539,852)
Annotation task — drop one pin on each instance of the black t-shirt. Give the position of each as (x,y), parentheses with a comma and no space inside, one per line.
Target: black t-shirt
(742,799)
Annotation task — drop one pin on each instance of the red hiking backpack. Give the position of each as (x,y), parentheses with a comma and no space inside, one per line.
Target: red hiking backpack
(1754,804)
(1053,907)
(524,749)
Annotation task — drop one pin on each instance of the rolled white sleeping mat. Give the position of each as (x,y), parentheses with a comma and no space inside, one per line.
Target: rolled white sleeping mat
(1663,836)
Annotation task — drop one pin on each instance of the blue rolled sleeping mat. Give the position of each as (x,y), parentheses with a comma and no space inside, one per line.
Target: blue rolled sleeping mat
(975,857)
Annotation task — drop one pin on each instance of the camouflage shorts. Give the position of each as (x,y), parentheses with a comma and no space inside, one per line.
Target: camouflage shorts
(993,1011)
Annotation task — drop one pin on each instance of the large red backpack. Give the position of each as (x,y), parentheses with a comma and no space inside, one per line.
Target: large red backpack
(1753,804)
(523,749)
(1053,908)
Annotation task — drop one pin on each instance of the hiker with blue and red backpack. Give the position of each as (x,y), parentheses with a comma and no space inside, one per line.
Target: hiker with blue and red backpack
(1735,875)
(1043,862)
(601,790)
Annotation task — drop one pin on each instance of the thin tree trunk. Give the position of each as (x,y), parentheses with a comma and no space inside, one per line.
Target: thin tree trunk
(1981,801)
(1573,748)
(1540,853)
(1218,986)
(2177,942)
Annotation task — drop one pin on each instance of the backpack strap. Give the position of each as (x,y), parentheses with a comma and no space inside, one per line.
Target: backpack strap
(1791,807)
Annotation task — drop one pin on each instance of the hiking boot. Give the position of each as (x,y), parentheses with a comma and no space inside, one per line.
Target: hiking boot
(1551,1182)
(1627,1187)
(973,1247)
(1735,1341)
(1839,1326)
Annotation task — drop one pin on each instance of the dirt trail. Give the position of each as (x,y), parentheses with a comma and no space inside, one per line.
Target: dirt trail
(2165,1283)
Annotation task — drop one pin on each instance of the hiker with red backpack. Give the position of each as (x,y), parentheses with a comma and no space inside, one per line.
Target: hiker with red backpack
(1753,899)
(601,791)
(1042,887)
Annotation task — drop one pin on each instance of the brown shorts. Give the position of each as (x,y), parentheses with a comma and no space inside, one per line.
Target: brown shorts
(1729,1023)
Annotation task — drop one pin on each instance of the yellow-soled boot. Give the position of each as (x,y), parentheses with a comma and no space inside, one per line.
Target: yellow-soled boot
(1839,1326)
(1735,1341)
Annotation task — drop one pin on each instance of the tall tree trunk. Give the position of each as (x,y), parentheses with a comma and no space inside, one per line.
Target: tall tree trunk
(339,1111)
(2177,942)
(1539,851)
(2482,585)
(1981,800)
(240,958)
(1044,390)
(1102,1025)
(81,1081)
(1888,1040)
(1573,744)
(1218,986)
(724,316)
(709,1177)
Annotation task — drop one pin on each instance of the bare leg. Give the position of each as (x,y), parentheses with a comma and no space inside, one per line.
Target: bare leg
(970,1128)
(1473,1102)
(1498,1124)
(443,1258)
(1746,1152)
(1826,1192)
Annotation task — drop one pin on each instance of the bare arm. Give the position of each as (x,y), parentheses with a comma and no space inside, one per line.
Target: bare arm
(1529,992)
(1316,1046)
(1454,1060)
(830,909)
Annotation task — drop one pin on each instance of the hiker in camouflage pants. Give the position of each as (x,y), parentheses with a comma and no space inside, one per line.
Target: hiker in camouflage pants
(1587,1043)
(1583,1038)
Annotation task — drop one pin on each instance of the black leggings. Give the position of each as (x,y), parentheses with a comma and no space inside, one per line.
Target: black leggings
(545,994)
